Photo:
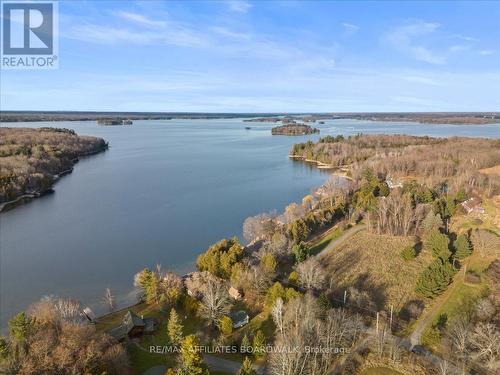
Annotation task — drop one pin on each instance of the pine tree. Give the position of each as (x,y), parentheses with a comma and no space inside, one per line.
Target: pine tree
(246,368)
(245,343)
(462,247)
(438,243)
(259,343)
(268,263)
(226,325)
(301,252)
(174,328)
(435,278)
(191,358)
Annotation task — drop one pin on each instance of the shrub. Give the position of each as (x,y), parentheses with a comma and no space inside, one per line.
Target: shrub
(435,278)
(408,253)
(463,247)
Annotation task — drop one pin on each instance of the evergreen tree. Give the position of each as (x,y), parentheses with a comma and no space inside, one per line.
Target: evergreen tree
(147,281)
(268,263)
(301,252)
(432,222)
(293,278)
(462,246)
(191,358)
(245,343)
(226,325)
(246,368)
(298,230)
(174,328)
(20,327)
(438,243)
(435,278)
(274,292)
(259,343)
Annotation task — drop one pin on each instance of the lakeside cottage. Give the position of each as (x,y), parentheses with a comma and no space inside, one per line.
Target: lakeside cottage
(133,326)
(472,205)
(239,318)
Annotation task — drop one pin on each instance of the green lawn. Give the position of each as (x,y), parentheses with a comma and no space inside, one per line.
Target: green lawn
(319,245)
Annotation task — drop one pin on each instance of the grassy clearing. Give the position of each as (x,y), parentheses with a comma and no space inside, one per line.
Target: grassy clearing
(373,263)
(489,220)
(319,244)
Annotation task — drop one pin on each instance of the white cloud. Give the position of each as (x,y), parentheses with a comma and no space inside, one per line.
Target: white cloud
(486,52)
(407,39)
(140,19)
(350,28)
(224,31)
(459,48)
(239,6)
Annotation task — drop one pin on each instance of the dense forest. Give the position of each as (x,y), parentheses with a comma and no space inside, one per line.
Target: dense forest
(455,161)
(32,159)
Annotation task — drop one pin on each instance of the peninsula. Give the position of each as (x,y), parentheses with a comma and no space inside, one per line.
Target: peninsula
(31,160)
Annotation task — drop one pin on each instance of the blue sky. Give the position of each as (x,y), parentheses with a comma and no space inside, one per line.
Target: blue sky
(263,56)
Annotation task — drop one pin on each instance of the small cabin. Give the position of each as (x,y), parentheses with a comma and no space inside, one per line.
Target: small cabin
(472,205)
(133,326)
(235,293)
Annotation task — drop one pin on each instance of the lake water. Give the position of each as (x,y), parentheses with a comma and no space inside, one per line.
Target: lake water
(162,193)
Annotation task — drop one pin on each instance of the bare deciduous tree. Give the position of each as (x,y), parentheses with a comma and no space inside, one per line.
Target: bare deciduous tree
(215,302)
(259,227)
(485,343)
(109,299)
(312,276)
(277,314)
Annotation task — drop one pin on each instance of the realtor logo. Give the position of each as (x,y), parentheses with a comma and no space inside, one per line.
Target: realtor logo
(29,31)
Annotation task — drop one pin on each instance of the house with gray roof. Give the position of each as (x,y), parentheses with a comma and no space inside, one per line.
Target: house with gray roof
(133,326)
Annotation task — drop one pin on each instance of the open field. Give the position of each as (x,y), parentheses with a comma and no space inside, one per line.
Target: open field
(491,170)
(379,269)
(489,220)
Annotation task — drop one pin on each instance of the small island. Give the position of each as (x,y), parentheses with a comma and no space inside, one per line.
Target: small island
(294,129)
(111,121)
(31,160)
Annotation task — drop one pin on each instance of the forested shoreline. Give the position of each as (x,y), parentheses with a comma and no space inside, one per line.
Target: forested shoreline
(456,160)
(31,160)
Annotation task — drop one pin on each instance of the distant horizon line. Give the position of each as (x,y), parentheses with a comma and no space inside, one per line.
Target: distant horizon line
(250,113)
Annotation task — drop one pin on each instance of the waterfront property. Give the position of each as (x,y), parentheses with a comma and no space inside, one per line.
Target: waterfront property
(133,326)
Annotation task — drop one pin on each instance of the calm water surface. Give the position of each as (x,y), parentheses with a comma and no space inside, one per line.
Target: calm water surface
(162,193)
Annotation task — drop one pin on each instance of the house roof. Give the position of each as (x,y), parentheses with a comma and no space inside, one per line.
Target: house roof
(471,203)
(238,316)
(131,320)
